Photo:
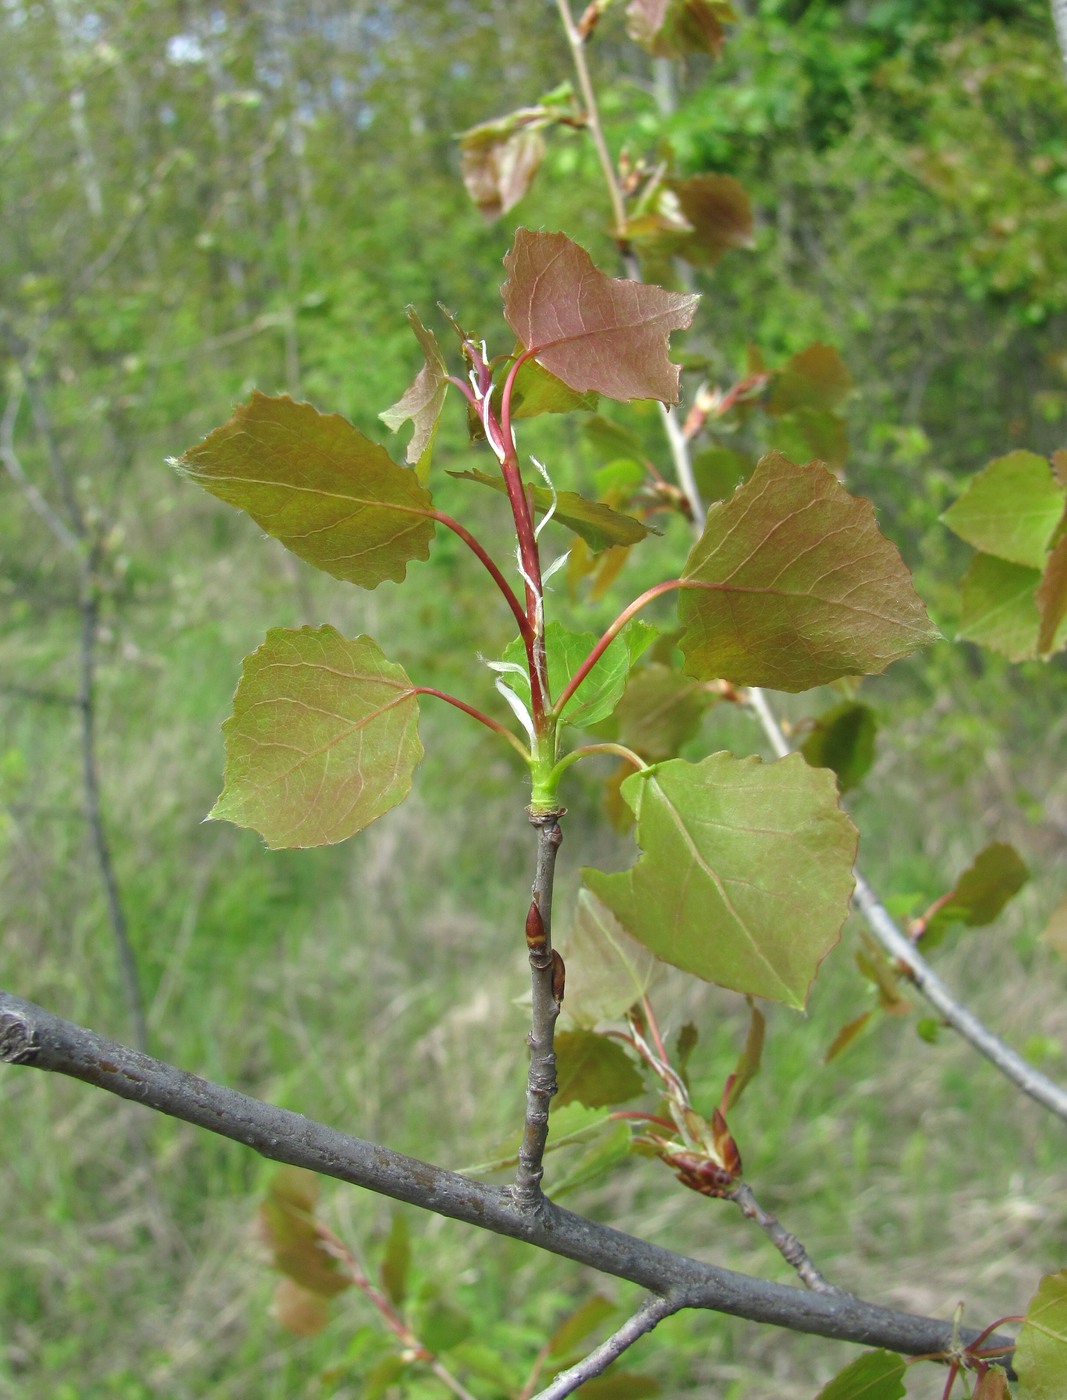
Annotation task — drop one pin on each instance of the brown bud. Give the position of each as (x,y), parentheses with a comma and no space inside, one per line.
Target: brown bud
(559,978)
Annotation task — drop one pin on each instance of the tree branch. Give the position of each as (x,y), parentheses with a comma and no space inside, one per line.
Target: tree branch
(651,1312)
(30,1035)
(926,981)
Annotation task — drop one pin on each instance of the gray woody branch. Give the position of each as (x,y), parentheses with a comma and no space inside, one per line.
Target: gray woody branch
(29,1035)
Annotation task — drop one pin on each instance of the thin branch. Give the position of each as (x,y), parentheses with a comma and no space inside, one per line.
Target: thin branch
(786,1243)
(546,980)
(1059,19)
(55,523)
(485,719)
(1021,1073)
(29,1035)
(651,1312)
(683,463)
(592,113)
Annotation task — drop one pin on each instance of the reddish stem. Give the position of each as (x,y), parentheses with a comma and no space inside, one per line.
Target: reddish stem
(487,720)
(525,629)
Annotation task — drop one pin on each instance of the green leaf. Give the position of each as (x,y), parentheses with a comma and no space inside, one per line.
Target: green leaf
(607,971)
(423,401)
(607,1150)
(322,740)
(661,710)
(442,1325)
(565,651)
(745,875)
(383,1375)
(1041,1351)
(997,874)
(843,740)
(999,607)
(876,1375)
(719,471)
(594,1071)
(396,1261)
(1051,599)
(1010,509)
(800,586)
(1055,931)
(574,1329)
(813,379)
(593,521)
(536,391)
(590,330)
(313,481)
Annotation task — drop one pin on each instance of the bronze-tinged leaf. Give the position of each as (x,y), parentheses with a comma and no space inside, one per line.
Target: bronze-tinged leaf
(699,219)
(592,331)
(323,738)
(799,587)
(745,873)
(299,1310)
(288,1225)
(498,167)
(673,28)
(313,481)
(1051,598)
(422,403)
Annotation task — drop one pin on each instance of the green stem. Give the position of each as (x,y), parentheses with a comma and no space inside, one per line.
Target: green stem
(575,754)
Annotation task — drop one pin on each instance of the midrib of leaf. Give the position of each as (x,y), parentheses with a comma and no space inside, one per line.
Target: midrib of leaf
(422,511)
(767,590)
(699,860)
(353,726)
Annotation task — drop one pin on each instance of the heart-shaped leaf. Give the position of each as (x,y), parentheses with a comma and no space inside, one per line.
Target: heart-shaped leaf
(313,481)
(607,971)
(1010,509)
(322,740)
(799,586)
(423,401)
(745,875)
(590,330)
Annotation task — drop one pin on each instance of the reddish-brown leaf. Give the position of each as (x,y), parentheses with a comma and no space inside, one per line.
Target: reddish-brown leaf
(671,28)
(590,330)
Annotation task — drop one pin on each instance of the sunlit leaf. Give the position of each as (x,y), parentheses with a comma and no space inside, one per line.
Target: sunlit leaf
(1041,1351)
(590,330)
(843,740)
(997,874)
(594,1071)
(661,710)
(999,607)
(313,481)
(876,1375)
(607,970)
(745,875)
(593,521)
(423,401)
(1010,509)
(565,651)
(801,588)
(322,740)
(672,28)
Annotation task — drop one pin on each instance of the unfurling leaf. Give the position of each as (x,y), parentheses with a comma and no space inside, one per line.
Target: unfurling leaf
(423,401)
(313,481)
(594,1071)
(698,219)
(876,1375)
(565,651)
(322,740)
(608,970)
(748,1064)
(593,521)
(396,1261)
(672,28)
(745,875)
(1041,1353)
(590,330)
(288,1225)
(996,874)
(798,586)
(500,158)
(843,740)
